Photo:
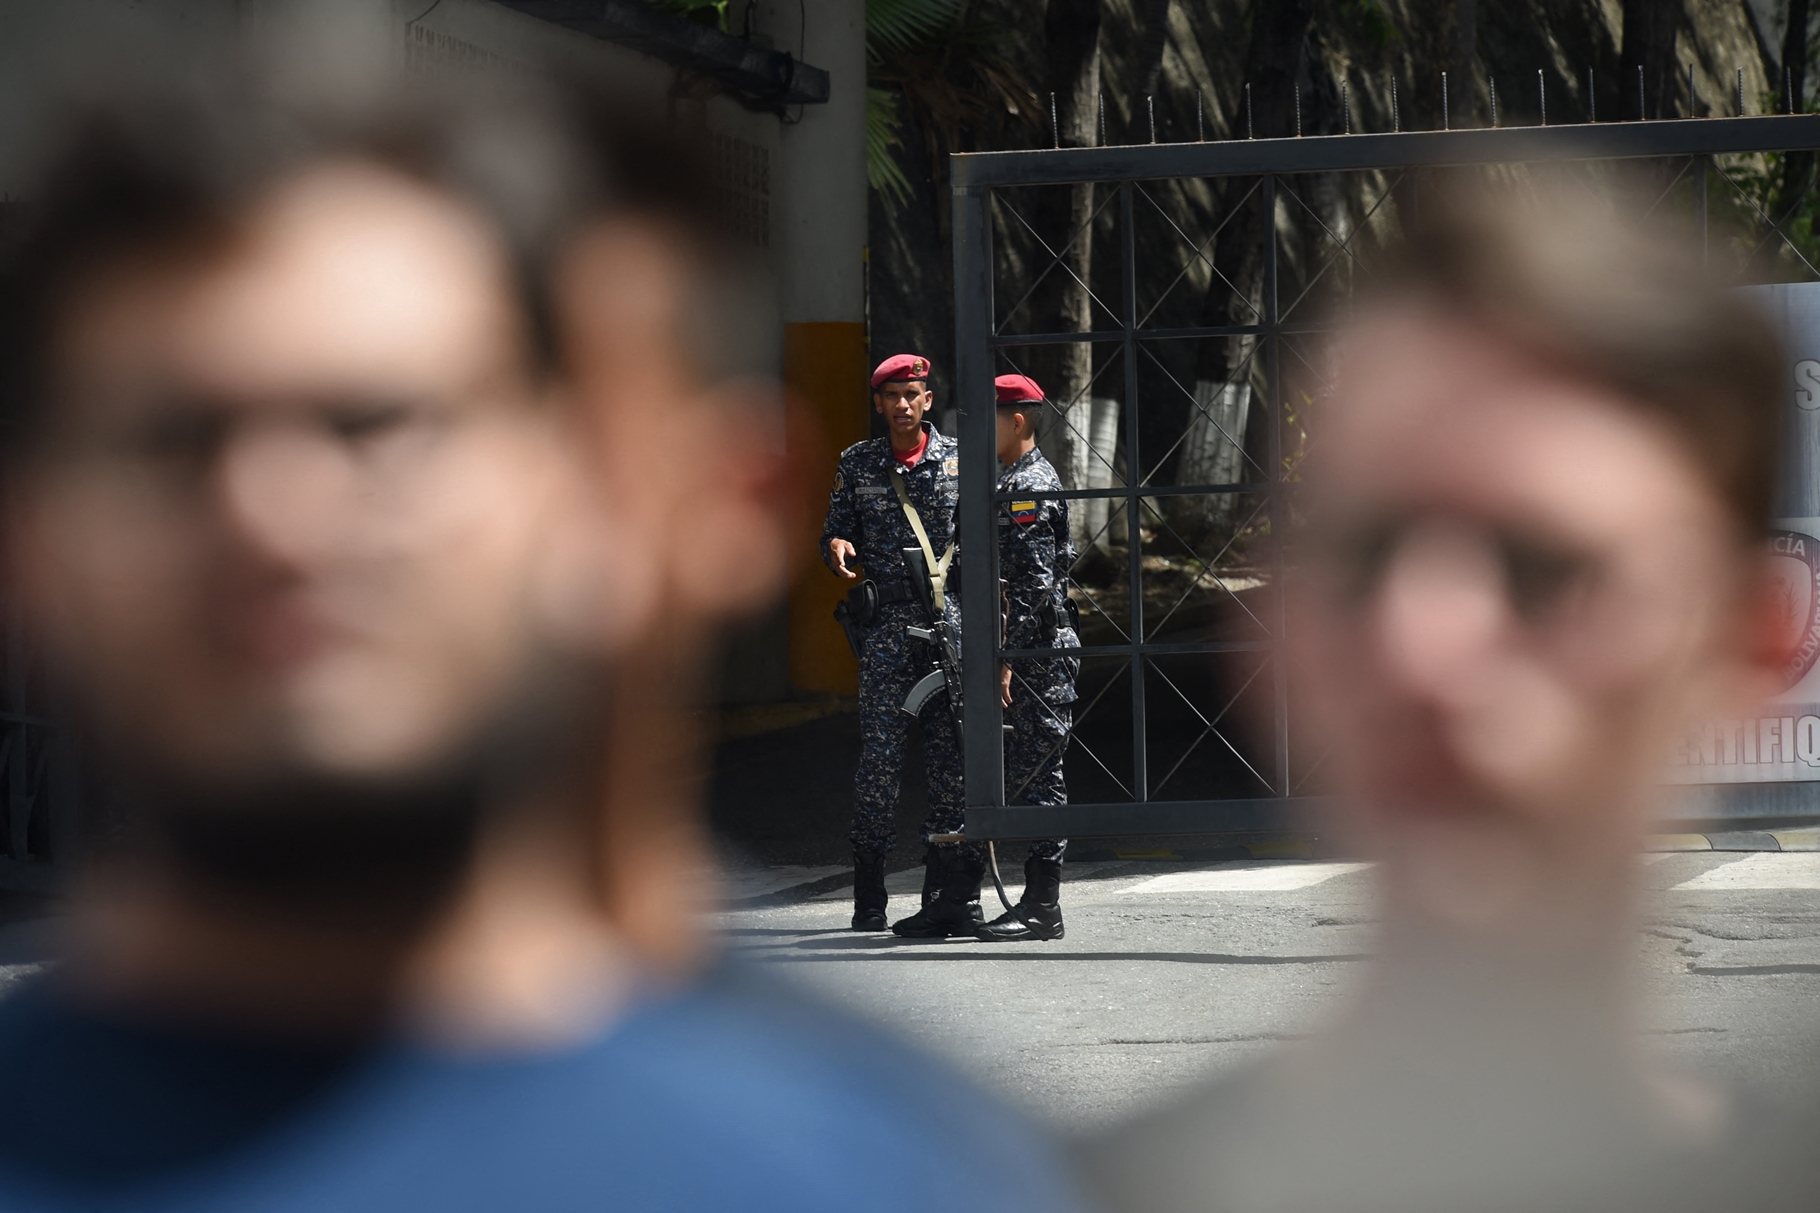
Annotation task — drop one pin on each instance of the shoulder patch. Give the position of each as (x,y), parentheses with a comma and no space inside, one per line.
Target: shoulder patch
(840,482)
(1023,512)
(951,466)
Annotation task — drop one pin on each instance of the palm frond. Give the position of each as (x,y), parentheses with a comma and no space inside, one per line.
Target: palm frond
(883,172)
(893,26)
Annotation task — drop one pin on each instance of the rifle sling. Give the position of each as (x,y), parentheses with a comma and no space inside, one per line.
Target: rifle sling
(938,569)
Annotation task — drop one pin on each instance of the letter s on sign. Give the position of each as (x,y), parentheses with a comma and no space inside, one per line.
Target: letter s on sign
(1807,384)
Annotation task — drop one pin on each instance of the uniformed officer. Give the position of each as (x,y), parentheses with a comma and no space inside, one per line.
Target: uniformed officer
(1035,554)
(880,483)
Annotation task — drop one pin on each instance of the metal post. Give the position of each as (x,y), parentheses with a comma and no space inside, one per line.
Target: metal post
(15,753)
(1691,107)
(1102,97)
(1396,115)
(1150,108)
(1700,167)
(1055,128)
(1279,514)
(1542,92)
(1412,149)
(983,746)
(1446,118)
(18,751)
(1740,92)
(1140,764)
(1493,81)
(1249,134)
(1200,124)
(1642,110)
(1346,105)
(1592,98)
(1298,111)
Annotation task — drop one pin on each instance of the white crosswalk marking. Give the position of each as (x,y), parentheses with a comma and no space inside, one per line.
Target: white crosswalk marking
(1255,877)
(1760,870)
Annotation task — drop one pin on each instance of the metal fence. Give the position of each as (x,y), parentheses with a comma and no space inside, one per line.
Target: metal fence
(1185,722)
(39,806)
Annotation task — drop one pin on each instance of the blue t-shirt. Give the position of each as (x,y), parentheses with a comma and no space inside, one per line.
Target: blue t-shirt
(735,1095)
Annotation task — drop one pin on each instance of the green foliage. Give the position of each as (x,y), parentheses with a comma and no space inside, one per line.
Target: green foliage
(1371,19)
(948,66)
(702,12)
(883,172)
(895,26)
(1771,193)
(894,29)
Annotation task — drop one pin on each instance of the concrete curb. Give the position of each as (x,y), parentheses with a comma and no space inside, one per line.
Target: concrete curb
(1737,840)
(1806,839)
(1268,848)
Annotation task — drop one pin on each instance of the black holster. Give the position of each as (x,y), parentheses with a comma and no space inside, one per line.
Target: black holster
(1053,617)
(858,612)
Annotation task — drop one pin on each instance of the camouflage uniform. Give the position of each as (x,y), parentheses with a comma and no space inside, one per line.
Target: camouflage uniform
(1035,554)
(864,510)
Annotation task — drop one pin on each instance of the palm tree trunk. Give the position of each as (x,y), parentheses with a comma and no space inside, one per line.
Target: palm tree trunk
(1213,449)
(1072,32)
(1797,167)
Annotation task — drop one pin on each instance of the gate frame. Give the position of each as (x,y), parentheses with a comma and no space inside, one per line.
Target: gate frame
(974,176)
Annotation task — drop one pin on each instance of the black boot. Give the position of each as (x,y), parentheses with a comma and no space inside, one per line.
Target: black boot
(955,908)
(1040,908)
(868,891)
(935,863)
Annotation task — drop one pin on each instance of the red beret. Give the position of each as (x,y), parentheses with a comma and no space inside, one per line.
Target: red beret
(1017,389)
(901,368)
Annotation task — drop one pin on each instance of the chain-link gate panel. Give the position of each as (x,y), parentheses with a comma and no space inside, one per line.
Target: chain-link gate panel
(1170,298)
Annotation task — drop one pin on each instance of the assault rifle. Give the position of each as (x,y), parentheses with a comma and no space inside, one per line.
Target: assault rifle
(941,637)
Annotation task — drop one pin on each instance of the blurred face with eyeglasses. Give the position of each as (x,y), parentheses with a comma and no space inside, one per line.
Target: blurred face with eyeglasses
(1517,587)
(289,515)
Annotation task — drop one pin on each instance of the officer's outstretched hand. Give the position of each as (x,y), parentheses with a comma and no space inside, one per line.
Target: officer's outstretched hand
(840,551)
(1004,685)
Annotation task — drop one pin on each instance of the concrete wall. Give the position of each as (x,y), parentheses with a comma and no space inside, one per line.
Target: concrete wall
(797,185)
(821,226)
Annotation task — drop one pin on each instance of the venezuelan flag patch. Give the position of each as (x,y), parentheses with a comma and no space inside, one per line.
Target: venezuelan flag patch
(1023,512)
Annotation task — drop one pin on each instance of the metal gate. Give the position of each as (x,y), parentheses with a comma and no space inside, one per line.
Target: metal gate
(1185,722)
(39,805)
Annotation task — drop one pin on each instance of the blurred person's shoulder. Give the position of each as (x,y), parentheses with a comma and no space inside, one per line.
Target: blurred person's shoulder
(733,1093)
(1276,1136)
(840,1110)
(1193,1152)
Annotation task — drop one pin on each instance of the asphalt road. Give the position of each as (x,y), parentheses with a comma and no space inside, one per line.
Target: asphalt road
(1170,972)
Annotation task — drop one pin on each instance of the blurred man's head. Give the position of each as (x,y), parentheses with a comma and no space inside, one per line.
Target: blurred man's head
(283,478)
(1535,513)
(667,334)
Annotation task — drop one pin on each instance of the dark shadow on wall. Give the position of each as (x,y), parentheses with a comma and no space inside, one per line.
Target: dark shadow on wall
(786,796)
